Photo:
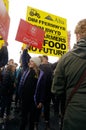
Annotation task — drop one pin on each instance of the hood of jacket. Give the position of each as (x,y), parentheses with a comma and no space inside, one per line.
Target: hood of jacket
(79,49)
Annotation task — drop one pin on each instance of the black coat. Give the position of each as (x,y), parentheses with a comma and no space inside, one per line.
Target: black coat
(48,76)
(8,83)
(3,56)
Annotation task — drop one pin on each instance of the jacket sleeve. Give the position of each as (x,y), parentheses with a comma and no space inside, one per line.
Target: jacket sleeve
(58,84)
(3,56)
(25,59)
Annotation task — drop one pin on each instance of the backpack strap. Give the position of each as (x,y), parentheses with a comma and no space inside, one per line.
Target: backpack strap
(72,94)
(76,88)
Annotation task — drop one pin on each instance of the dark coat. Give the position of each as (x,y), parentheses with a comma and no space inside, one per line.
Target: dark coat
(68,72)
(25,57)
(48,76)
(27,85)
(3,56)
(8,83)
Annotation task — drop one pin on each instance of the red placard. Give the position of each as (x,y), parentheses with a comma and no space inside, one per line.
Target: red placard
(4,21)
(30,34)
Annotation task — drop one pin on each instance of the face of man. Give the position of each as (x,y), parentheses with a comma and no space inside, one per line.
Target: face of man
(44,60)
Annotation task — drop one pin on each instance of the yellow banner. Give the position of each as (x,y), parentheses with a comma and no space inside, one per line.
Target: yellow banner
(6,2)
(1,42)
(55,27)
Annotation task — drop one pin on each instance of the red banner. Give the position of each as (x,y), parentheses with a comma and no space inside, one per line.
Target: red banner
(4,21)
(30,34)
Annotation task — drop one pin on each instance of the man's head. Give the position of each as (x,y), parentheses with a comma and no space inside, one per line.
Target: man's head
(80,29)
(44,59)
(11,61)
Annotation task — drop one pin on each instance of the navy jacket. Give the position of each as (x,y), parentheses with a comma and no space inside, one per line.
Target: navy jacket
(39,94)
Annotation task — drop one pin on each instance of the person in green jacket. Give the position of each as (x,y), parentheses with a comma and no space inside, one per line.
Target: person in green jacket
(68,73)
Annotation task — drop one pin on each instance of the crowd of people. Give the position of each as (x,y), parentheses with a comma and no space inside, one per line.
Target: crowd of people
(29,85)
(35,83)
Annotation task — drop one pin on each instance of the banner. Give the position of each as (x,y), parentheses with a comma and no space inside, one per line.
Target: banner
(55,27)
(6,2)
(4,21)
(30,34)
(1,42)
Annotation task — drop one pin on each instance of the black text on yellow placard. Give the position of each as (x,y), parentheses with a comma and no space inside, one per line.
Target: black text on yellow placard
(55,27)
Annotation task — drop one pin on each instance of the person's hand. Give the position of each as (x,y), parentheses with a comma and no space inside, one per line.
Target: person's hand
(5,43)
(39,105)
(27,46)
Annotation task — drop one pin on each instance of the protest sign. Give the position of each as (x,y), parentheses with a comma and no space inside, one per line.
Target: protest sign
(30,34)
(55,27)
(4,21)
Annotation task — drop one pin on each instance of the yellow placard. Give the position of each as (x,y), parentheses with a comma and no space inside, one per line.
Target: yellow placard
(1,42)
(55,27)
(6,2)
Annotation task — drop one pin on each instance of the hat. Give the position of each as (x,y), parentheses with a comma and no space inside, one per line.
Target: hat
(36,60)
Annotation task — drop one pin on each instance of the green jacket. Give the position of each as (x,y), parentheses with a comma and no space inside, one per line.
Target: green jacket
(68,72)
